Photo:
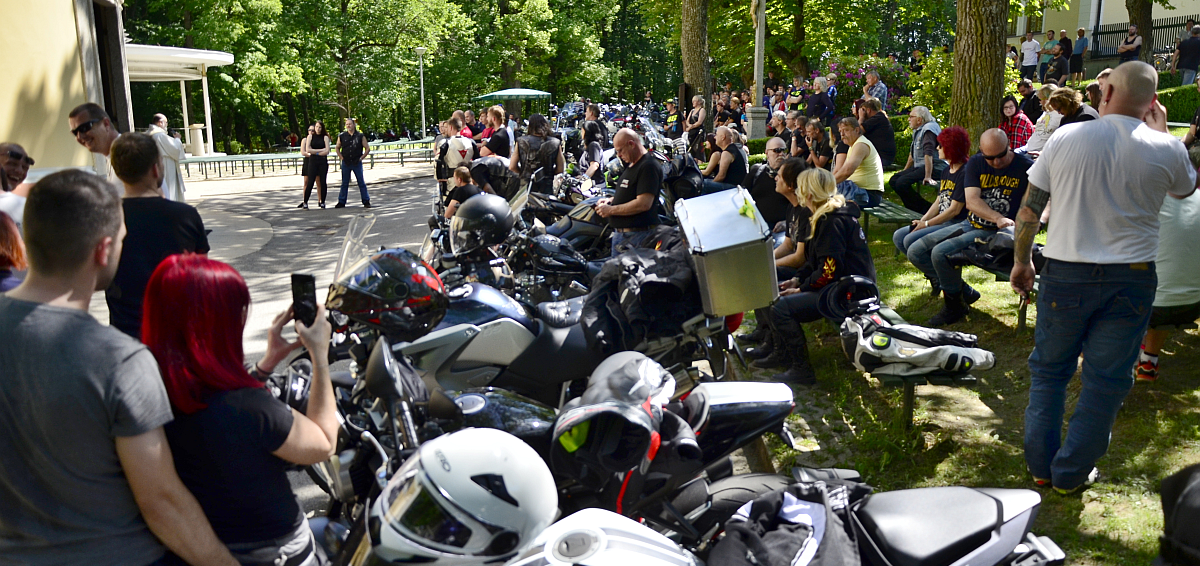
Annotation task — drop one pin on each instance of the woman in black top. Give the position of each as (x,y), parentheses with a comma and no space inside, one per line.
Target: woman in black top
(834,248)
(232,440)
(694,127)
(954,146)
(316,150)
(593,154)
(304,162)
(820,106)
(538,150)
(1069,102)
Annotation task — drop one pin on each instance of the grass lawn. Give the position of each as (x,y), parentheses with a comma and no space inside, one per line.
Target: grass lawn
(974,436)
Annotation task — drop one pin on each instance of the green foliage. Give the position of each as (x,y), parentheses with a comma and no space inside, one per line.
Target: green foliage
(1168,80)
(757,145)
(903,144)
(851,74)
(757,158)
(931,87)
(1181,102)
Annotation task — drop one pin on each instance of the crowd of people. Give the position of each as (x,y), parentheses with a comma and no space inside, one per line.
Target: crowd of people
(125,448)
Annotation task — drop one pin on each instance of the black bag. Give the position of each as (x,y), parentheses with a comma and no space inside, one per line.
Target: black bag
(994,253)
(802,524)
(1180,541)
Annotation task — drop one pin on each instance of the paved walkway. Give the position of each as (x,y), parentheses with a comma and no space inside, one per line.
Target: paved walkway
(257,229)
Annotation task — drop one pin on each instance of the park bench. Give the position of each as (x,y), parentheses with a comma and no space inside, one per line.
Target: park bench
(1023,305)
(887,212)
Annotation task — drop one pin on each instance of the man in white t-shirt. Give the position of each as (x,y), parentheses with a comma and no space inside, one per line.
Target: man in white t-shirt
(1098,284)
(1029,56)
(1177,300)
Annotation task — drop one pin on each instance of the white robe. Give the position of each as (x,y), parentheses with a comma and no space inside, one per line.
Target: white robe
(171,151)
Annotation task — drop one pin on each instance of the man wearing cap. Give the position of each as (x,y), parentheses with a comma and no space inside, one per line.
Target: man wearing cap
(674,124)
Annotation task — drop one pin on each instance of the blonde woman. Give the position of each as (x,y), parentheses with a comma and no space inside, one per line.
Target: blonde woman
(834,247)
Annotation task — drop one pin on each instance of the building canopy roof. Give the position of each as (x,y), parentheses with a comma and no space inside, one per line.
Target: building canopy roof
(515,94)
(154,63)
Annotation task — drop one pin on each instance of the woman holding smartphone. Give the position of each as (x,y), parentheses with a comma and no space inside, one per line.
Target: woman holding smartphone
(231,439)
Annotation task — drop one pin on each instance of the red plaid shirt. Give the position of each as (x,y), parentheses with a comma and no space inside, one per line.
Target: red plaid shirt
(1018,128)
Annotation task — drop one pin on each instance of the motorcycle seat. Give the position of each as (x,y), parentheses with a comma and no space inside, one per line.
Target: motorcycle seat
(928,526)
(561,314)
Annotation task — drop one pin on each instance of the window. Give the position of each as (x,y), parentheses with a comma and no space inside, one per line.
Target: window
(1012,23)
(1034,24)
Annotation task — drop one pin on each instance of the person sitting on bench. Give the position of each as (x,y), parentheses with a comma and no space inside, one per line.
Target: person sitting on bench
(954,146)
(835,247)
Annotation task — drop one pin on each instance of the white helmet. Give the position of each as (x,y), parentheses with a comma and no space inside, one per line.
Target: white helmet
(595,537)
(470,497)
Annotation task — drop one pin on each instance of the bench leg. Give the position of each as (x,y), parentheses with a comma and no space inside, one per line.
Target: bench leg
(910,390)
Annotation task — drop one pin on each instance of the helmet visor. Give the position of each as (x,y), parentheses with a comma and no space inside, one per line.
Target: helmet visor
(465,236)
(417,510)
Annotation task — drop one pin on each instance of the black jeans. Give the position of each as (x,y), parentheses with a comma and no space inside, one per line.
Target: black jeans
(902,184)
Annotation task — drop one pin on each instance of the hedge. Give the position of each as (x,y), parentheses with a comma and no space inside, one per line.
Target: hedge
(757,158)
(1181,103)
(758,145)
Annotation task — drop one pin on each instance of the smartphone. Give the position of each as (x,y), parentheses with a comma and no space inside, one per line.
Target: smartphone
(304,298)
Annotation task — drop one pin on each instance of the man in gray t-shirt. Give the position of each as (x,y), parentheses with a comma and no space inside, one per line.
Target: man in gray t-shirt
(85,470)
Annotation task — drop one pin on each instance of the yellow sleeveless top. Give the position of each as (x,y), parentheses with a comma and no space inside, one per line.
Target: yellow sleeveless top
(869,174)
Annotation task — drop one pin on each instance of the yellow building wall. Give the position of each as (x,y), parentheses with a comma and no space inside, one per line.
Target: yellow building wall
(43,80)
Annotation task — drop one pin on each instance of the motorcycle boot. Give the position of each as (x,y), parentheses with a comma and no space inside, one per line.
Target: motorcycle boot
(790,339)
(761,330)
(765,349)
(953,311)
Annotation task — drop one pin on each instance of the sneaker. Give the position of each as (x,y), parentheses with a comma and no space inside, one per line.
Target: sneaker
(1091,479)
(1041,482)
(367,204)
(340,205)
(1146,371)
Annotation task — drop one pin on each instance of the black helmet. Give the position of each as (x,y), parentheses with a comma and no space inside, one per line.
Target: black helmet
(850,295)
(483,220)
(393,291)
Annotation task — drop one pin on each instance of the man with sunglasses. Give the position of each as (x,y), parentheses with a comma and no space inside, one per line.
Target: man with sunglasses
(16,163)
(761,183)
(94,130)
(1108,178)
(995,181)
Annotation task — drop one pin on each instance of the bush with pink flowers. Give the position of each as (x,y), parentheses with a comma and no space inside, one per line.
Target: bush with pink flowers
(851,72)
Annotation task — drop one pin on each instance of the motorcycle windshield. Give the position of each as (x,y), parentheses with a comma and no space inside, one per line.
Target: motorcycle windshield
(354,246)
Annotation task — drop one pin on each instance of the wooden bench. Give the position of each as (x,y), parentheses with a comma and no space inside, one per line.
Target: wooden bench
(887,212)
(910,383)
(1023,305)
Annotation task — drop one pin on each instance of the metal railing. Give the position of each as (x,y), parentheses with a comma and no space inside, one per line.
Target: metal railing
(1106,38)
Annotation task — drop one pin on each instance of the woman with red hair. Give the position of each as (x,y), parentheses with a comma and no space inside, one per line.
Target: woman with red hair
(12,254)
(954,146)
(231,439)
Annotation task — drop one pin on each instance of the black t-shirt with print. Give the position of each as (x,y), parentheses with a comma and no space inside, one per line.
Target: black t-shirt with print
(797,92)
(1001,189)
(643,177)
(951,188)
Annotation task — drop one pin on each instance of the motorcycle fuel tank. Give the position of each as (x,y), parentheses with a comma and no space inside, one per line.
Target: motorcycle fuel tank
(478,304)
(524,418)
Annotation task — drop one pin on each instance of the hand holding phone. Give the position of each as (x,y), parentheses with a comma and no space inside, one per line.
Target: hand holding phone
(304,298)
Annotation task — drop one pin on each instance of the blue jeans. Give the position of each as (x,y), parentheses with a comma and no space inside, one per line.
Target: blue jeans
(864,198)
(920,252)
(1100,311)
(1042,71)
(949,277)
(711,186)
(1187,77)
(626,240)
(904,237)
(356,167)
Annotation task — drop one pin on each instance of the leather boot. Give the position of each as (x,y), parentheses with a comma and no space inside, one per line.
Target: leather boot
(761,329)
(970,295)
(766,349)
(936,290)
(800,371)
(954,310)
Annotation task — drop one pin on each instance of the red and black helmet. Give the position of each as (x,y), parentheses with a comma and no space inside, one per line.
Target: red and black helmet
(393,291)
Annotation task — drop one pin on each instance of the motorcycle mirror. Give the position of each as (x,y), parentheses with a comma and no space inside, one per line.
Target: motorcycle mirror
(378,379)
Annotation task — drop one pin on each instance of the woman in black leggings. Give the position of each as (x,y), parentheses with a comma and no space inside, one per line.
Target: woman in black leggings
(317,146)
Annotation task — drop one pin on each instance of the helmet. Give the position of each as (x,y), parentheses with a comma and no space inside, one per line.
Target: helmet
(483,220)
(470,497)
(393,291)
(850,295)
(596,537)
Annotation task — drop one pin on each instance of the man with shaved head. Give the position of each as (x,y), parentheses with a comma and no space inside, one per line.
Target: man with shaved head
(633,210)
(994,182)
(1108,179)
(14,166)
(733,166)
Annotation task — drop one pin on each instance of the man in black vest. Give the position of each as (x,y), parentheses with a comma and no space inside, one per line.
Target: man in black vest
(732,169)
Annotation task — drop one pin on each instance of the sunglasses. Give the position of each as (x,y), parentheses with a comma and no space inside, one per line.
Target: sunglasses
(85,127)
(18,156)
(994,157)
(778,150)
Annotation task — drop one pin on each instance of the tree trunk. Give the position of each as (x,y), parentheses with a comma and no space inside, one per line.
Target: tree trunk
(1141,14)
(693,46)
(291,114)
(799,65)
(304,112)
(979,77)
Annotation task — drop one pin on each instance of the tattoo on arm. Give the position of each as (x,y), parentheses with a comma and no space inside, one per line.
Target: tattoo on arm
(1028,222)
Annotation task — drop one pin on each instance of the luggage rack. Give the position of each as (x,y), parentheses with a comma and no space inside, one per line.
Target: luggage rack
(910,383)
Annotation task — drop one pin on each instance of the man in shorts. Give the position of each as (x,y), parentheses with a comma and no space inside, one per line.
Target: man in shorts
(1177,298)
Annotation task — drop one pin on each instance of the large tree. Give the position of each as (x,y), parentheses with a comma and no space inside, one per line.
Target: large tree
(1141,14)
(979,65)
